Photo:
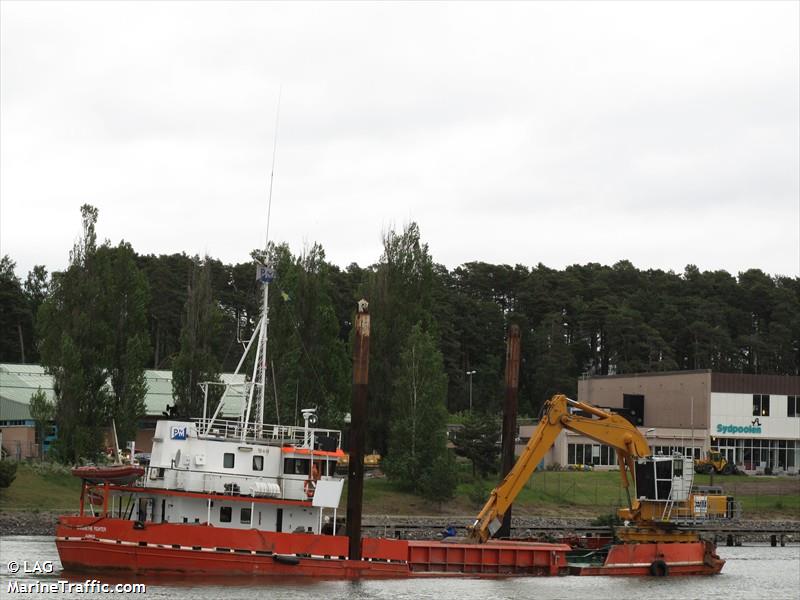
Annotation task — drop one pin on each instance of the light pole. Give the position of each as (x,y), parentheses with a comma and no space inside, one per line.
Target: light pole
(470,374)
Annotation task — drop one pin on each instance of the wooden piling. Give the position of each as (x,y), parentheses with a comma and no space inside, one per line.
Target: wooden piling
(510,415)
(358,423)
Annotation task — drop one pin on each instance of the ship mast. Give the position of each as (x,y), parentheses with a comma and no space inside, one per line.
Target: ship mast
(266,275)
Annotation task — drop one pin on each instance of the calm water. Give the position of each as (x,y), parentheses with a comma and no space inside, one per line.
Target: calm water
(752,572)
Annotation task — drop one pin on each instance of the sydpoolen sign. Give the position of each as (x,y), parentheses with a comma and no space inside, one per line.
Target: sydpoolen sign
(730,429)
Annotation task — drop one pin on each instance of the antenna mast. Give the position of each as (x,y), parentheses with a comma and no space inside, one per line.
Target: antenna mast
(266,274)
(257,389)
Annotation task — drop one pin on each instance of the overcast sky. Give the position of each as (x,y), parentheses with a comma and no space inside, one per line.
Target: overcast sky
(662,133)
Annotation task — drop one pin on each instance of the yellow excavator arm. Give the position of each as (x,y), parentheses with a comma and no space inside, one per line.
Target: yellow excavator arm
(602,426)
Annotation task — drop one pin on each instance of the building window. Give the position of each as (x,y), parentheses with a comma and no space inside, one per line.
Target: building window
(793,406)
(225,514)
(244,516)
(228,460)
(591,454)
(760,405)
(258,463)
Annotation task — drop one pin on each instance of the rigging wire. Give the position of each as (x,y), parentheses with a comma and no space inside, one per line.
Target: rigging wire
(272,170)
(275,390)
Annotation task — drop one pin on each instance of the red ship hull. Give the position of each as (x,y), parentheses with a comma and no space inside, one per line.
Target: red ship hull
(101,543)
(656,559)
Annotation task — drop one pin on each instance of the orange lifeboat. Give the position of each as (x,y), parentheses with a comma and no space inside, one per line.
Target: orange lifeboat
(114,474)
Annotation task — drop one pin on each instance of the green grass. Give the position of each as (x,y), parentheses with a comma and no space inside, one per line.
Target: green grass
(41,490)
(753,505)
(551,493)
(574,488)
(572,493)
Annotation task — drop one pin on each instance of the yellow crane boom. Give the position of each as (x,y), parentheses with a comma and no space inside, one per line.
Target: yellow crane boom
(604,427)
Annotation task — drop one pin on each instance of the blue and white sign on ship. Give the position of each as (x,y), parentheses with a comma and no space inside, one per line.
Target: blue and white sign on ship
(178,432)
(265,274)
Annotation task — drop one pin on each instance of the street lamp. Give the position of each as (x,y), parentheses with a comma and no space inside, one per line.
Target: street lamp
(470,374)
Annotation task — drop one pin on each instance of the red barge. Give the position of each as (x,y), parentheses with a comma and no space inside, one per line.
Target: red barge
(177,518)
(238,496)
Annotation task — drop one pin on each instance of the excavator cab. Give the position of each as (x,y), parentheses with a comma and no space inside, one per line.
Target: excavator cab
(664,478)
(665,494)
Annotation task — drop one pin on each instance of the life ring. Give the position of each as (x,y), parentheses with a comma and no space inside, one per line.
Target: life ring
(658,568)
(310,484)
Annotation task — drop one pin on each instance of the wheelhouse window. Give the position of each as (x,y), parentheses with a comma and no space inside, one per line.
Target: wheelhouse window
(244,516)
(331,467)
(760,405)
(793,406)
(258,463)
(225,513)
(228,460)
(296,466)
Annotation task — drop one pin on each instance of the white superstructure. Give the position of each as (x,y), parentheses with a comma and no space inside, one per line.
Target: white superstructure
(239,473)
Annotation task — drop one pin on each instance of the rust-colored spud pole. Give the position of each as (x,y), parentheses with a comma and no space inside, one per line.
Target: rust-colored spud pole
(510,415)
(358,422)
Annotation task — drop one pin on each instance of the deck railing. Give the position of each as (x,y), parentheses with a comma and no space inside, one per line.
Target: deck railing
(685,514)
(230,429)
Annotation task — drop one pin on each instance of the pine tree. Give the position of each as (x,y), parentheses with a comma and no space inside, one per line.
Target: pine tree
(126,297)
(197,362)
(14,316)
(400,293)
(308,358)
(478,440)
(42,412)
(418,439)
(93,341)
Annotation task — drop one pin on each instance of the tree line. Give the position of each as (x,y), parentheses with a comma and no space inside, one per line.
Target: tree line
(113,313)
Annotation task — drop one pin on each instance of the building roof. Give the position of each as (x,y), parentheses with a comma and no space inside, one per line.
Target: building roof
(741,383)
(159,392)
(13,411)
(649,374)
(736,383)
(19,382)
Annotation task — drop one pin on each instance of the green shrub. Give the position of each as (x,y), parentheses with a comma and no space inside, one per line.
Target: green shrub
(46,469)
(8,471)
(478,493)
(439,483)
(609,520)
